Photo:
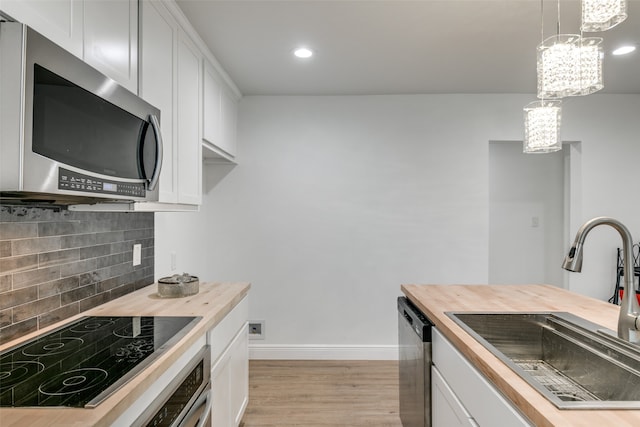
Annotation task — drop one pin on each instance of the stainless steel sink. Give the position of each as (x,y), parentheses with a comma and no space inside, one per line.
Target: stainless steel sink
(574,363)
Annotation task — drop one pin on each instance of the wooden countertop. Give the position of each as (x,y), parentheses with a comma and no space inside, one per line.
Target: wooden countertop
(435,300)
(213,302)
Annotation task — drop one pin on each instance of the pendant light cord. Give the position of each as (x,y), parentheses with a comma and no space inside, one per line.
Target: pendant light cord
(541,36)
(558,22)
(541,22)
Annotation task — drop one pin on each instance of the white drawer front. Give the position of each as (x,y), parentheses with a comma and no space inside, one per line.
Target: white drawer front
(487,406)
(222,334)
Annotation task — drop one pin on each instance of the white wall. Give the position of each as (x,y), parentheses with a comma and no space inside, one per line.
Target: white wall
(336,201)
(608,127)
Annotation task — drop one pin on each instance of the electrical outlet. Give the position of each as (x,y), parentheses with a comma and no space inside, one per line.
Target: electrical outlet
(256,329)
(137,254)
(535,221)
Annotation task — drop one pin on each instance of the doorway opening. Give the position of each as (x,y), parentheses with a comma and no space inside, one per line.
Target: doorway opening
(532,198)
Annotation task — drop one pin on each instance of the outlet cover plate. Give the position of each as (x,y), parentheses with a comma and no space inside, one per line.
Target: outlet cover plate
(256,329)
(137,254)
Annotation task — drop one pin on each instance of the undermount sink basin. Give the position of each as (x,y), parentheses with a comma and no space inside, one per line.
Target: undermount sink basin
(574,363)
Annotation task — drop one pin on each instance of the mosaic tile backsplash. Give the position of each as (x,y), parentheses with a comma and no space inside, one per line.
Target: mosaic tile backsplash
(56,263)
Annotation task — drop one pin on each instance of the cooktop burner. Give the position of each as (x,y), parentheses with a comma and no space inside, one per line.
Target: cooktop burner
(80,364)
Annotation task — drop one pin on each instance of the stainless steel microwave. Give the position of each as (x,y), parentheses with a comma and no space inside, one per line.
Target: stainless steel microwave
(67,132)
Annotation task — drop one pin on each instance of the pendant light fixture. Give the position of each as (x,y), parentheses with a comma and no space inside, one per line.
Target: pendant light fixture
(601,15)
(569,65)
(542,118)
(558,75)
(542,126)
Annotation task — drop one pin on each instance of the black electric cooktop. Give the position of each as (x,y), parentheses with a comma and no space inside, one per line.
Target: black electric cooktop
(82,363)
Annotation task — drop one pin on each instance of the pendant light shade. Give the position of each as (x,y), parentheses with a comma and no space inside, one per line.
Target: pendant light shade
(569,65)
(601,15)
(542,126)
(589,61)
(556,66)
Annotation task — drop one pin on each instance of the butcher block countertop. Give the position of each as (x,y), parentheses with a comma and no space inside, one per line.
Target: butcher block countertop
(212,303)
(435,300)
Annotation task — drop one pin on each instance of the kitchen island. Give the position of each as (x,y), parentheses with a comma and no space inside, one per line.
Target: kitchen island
(212,303)
(435,300)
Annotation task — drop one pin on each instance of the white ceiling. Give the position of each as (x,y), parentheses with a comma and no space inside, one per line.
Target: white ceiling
(396,46)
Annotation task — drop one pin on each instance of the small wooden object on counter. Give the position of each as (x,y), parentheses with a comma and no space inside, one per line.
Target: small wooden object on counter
(178,286)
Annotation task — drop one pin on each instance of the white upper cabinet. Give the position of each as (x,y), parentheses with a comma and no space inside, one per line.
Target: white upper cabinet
(103,33)
(150,48)
(158,62)
(111,39)
(229,112)
(170,79)
(189,147)
(219,117)
(59,20)
(212,105)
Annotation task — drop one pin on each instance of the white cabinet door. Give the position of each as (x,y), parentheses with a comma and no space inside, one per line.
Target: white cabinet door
(59,20)
(219,116)
(158,60)
(188,121)
(111,39)
(211,106)
(229,342)
(229,109)
(446,408)
(220,380)
(103,33)
(230,382)
(239,374)
(170,76)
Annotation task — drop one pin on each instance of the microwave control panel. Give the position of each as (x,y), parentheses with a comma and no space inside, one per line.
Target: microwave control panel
(74,181)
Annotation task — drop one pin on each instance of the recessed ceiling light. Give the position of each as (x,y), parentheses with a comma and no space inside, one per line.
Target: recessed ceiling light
(623,50)
(303,52)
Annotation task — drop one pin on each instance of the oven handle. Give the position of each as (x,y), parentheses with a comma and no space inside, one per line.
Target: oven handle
(204,398)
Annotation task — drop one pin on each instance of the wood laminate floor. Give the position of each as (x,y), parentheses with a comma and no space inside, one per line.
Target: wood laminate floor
(322,393)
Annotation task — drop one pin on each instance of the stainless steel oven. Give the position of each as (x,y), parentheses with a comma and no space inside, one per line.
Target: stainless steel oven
(186,401)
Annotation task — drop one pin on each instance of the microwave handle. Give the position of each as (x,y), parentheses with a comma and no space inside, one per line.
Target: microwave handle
(156,171)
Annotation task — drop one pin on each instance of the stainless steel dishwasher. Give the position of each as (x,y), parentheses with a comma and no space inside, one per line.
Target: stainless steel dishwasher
(414,342)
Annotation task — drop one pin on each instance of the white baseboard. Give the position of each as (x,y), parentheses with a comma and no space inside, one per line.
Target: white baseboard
(323,352)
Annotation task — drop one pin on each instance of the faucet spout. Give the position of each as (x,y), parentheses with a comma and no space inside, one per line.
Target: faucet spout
(628,320)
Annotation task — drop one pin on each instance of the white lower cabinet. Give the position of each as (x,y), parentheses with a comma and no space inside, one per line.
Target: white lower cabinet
(462,396)
(229,342)
(229,382)
(239,374)
(447,408)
